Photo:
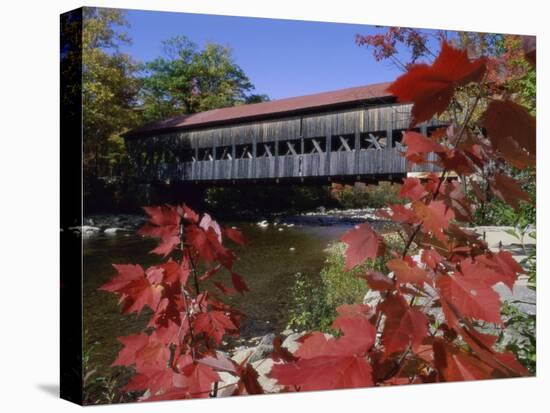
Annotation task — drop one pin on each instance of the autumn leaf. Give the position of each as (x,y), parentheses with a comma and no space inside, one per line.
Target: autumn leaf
(214,324)
(435,217)
(418,145)
(508,190)
(454,364)
(408,272)
(362,243)
(404,325)
(238,283)
(235,236)
(197,379)
(504,119)
(471,295)
(324,373)
(431,87)
(412,189)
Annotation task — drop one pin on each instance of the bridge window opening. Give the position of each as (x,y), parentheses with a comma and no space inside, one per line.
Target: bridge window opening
(243,152)
(315,145)
(398,136)
(186,155)
(374,140)
(343,143)
(224,153)
(265,150)
(205,154)
(290,147)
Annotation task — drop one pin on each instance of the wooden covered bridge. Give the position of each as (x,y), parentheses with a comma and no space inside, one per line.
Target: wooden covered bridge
(345,135)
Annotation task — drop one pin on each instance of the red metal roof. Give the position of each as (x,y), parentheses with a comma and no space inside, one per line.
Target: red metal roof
(267,109)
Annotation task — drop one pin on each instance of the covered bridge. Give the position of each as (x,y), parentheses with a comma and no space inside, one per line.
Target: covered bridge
(348,134)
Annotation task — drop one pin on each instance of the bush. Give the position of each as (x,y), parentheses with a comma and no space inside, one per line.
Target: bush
(362,195)
(314,301)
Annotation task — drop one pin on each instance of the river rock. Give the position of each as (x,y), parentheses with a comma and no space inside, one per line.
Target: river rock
(113,231)
(227,384)
(263,367)
(291,343)
(242,354)
(87,230)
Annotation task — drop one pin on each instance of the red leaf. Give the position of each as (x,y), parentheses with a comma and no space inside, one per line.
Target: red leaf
(401,213)
(504,119)
(378,281)
(197,379)
(188,214)
(324,373)
(208,246)
(412,189)
(224,289)
(456,365)
(162,216)
(166,246)
(249,378)
(235,236)
(134,288)
(418,145)
(358,337)
(431,258)
(142,350)
(238,283)
(408,272)
(435,217)
(404,325)
(138,294)
(431,88)
(471,296)
(126,274)
(214,324)
(363,243)
(508,190)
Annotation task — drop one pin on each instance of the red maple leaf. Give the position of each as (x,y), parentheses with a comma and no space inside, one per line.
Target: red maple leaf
(197,379)
(134,288)
(214,324)
(454,364)
(435,217)
(471,295)
(506,119)
(508,190)
(408,272)
(404,325)
(412,189)
(430,88)
(238,283)
(324,373)
(235,236)
(363,242)
(418,146)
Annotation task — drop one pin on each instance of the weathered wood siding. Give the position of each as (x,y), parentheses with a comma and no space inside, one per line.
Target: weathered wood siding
(305,143)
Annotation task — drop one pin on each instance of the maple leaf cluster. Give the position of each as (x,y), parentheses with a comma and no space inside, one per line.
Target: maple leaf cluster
(428,324)
(176,357)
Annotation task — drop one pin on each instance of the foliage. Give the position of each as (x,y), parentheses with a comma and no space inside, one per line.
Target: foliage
(401,338)
(98,386)
(362,195)
(109,91)
(176,357)
(248,200)
(314,302)
(189,80)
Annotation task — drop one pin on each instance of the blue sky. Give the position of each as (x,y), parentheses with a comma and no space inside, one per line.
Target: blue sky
(282,58)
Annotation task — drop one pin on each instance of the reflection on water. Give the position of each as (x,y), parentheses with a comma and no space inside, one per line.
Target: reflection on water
(268,265)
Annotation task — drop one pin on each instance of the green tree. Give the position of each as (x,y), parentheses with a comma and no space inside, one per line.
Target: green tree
(187,79)
(109,90)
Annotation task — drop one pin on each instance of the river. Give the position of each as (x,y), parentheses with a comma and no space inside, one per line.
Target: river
(268,265)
